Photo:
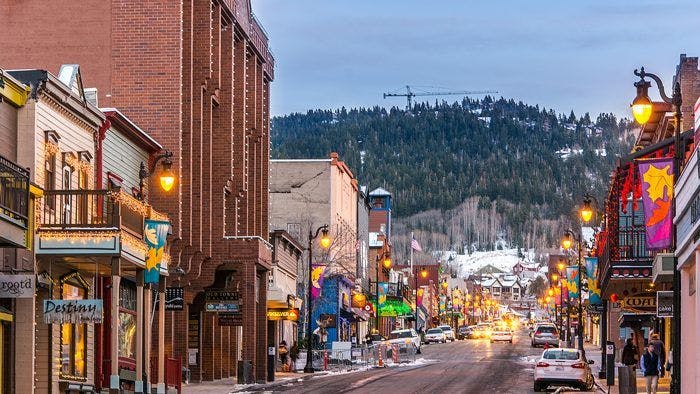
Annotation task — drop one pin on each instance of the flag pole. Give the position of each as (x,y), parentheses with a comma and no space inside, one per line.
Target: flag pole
(411,247)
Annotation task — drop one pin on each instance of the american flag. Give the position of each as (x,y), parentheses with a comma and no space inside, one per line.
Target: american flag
(415,245)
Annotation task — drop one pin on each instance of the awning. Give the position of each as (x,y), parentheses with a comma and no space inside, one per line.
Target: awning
(634,319)
(6,315)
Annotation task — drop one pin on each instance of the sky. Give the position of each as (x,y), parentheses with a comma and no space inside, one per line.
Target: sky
(563,54)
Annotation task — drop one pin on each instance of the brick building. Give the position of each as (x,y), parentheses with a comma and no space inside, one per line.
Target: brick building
(196,75)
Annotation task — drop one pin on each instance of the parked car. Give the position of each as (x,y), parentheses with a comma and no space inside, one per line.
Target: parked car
(449,333)
(435,335)
(545,334)
(563,367)
(407,336)
(465,332)
(502,334)
(484,330)
(375,339)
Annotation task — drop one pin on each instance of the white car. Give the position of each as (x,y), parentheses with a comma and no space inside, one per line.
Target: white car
(408,337)
(435,335)
(563,367)
(502,334)
(449,333)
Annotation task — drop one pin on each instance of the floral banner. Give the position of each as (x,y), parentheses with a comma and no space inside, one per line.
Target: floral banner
(573,280)
(383,291)
(419,296)
(657,195)
(156,234)
(593,289)
(317,274)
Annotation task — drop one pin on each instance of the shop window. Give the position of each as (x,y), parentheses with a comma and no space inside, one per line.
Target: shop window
(127,319)
(74,336)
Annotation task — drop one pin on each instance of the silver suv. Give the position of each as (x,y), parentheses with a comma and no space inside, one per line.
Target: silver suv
(545,334)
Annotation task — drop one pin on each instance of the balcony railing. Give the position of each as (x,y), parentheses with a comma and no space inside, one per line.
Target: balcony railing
(68,209)
(14,192)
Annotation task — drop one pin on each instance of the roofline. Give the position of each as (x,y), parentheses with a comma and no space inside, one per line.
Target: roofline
(138,134)
(299,160)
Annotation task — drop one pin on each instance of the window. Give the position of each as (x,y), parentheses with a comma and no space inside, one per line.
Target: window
(127,319)
(82,208)
(50,176)
(73,336)
(67,202)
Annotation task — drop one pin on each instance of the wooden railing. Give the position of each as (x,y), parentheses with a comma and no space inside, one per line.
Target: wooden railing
(78,209)
(14,192)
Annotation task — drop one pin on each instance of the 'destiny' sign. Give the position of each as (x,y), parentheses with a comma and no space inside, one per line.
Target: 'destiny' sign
(72,311)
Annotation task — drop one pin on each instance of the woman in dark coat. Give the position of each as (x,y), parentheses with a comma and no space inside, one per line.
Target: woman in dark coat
(630,354)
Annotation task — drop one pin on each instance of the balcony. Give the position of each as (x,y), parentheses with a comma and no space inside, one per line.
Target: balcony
(94,223)
(14,204)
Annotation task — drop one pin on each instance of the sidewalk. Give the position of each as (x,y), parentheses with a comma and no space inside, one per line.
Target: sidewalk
(230,385)
(594,353)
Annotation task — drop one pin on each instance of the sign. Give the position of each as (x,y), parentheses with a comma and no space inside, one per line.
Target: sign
(17,286)
(383,290)
(72,311)
(155,234)
(393,289)
(222,307)
(192,356)
(221,295)
(174,299)
(193,331)
(657,197)
(641,303)
(327,320)
(230,319)
(283,314)
(664,304)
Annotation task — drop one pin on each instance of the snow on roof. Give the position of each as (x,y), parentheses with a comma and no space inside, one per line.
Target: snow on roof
(379,192)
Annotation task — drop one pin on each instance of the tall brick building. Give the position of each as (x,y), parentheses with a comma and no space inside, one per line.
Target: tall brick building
(195,75)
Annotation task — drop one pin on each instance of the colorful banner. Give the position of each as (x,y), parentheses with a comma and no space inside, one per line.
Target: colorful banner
(156,234)
(657,195)
(593,289)
(419,296)
(317,274)
(383,291)
(573,280)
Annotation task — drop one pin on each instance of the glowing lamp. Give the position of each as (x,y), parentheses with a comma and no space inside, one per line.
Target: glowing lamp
(167,176)
(444,285)
(560,266)
(550,292)
(387,262)
(642,107)
(555,277)
(423,273)
(548,299)
(586,211)
(325,240)
(566,242)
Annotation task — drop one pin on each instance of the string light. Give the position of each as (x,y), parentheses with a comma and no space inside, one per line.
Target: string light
(130,202)
(135,243)
(51,148)
(79,165)
(77,236)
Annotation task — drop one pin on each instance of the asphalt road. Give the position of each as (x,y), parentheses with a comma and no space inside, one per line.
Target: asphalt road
(471,366)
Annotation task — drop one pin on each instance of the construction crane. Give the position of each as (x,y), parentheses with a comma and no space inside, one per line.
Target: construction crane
(410,94)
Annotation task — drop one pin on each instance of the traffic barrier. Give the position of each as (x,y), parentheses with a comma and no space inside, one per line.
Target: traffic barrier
(325,360)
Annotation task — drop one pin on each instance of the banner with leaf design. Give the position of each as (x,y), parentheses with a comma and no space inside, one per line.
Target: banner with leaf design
(156,234)
(318,272)
(573,279)
(657,195)
(593,289)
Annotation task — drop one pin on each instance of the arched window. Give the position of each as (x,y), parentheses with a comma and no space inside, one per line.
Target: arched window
(74,336)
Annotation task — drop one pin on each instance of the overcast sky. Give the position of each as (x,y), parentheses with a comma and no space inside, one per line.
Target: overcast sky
(560,54)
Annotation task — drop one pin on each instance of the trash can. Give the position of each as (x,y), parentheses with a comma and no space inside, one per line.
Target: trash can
(245,372)
(627,380)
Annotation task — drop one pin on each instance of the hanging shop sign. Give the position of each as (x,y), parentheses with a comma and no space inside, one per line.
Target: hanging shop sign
(283,314)
(230,319)
(72,311)
(17,286)
(222,300)
(664,304)
(327,320)
(641,303)
(174,299)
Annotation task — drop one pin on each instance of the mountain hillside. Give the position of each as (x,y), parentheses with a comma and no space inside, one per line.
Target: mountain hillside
(468,172)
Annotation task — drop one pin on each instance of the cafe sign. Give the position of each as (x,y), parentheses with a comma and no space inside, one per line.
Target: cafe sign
(17,286)
(642,303)
(72,311)
(283,314)
(664,304)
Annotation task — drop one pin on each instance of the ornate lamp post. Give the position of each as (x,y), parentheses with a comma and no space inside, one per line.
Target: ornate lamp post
(385,261)
(569,237)
(325,243)
(642,108)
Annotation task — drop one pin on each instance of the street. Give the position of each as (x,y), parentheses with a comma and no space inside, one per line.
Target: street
(470,366)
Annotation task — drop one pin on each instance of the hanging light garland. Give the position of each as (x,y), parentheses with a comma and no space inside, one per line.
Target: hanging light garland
(79,165)
(77,236)
(134,243)
(129,202)
(51,149)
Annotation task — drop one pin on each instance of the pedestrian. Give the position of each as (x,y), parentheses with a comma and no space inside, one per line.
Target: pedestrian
(630,354)
(659,349)
(651,368)
(284,355)
(294,355)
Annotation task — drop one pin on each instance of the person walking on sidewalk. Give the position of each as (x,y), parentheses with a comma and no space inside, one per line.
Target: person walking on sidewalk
(630,354)
(659,349)
(651,368)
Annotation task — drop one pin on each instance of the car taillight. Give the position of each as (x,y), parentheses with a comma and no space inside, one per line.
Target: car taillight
(578,365)
(542,364)
(538,332)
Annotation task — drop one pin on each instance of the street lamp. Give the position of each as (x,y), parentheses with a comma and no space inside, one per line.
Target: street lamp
(325,242)
(562,333)
(642,108)
(385,258)
(166,177)
(569,236)
(423,274)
